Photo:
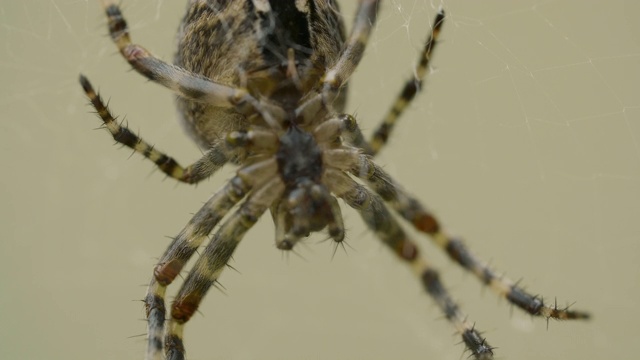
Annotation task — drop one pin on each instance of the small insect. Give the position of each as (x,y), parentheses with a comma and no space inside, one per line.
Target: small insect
(261,84)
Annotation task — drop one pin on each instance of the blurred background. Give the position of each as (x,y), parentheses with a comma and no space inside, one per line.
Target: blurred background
(526,142)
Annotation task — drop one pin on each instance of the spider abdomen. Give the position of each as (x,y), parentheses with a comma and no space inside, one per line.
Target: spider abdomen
(260,34)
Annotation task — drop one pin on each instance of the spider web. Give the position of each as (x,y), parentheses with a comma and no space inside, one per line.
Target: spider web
(525,140)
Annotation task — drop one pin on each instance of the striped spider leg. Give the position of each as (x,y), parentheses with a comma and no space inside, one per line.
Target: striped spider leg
(337,76)
(213,159)
(374,211)
(259,85)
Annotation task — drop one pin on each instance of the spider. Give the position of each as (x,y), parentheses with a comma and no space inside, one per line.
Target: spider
(261,84)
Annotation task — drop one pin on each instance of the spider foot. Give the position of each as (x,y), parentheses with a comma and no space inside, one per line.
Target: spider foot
(479,347)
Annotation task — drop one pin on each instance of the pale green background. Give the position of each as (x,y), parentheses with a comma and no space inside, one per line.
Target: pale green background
(526,142)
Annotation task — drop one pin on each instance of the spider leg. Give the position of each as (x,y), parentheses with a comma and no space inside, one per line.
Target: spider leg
(344,125)
(189,239)
(213,260)
(178,253)
(213,159)
(352,53)
(411,88)
(189,85)
(412,210)
(185,83)
(335,227)
(285,238)
(377,217)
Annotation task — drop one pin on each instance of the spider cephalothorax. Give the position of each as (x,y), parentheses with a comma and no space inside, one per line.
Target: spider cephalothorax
(304,208)
(261,84)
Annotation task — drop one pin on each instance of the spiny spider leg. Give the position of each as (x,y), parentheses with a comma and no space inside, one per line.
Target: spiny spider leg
(350,56)
(185,83)
(189,239)
(213,159)
(285,239)
(411,88)
(377,217)
(179,252)
(412,210)
(352,53)
(408,93)
(336,226)
(213,260)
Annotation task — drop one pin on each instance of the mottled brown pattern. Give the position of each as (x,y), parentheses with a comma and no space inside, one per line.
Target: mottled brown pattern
(214,41)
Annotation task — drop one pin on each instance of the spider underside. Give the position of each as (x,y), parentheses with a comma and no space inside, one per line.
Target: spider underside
(258,84)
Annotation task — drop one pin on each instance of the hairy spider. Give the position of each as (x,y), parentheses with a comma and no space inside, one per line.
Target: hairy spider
(259,85)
